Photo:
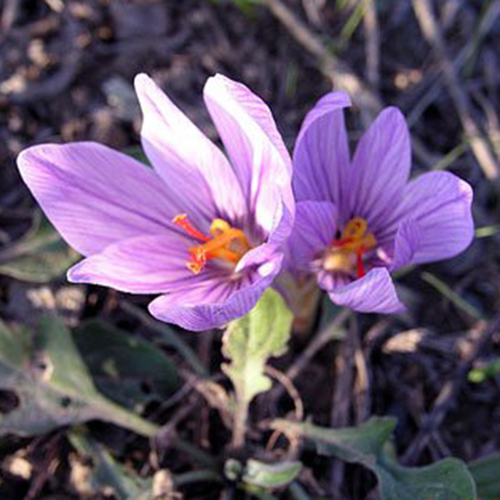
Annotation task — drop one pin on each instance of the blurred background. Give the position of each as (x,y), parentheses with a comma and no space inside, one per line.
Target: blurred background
(66,74)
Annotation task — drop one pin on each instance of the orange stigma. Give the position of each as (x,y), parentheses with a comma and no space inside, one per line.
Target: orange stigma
(346,254)
(226,243)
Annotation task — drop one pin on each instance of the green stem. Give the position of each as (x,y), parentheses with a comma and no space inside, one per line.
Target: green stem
(127,419)
(240,423)
(202,457)
(197,476)
(452,296)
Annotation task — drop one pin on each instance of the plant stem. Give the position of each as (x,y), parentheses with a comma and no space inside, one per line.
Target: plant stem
(239,423)
(197,476)
(127,419)
(202,457)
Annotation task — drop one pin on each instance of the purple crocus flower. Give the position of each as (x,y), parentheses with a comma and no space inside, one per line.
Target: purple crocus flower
(205,235)
(358,219)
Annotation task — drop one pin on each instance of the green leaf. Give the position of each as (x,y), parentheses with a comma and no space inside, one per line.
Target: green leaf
(257,476)
(127,369)
(53,385)
(486,474)
(478,375)
(14,349)
(353,444)
(270,476)
(168,337)
(447,479)
(251,340)
(40,256)
(107,473)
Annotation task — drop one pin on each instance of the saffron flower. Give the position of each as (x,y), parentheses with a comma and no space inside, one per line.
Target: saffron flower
(206,235)
(359,219)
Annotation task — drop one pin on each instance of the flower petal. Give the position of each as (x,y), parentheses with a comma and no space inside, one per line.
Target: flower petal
(203,182)
(438,206)
(380,169)
(408,239)
(314,230)
(321,156)
(214,303)
(93,195)
(258,110)
(145,264)
(374,293)
(252,142)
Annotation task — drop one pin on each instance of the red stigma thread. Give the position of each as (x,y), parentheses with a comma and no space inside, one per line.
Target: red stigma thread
(183,222)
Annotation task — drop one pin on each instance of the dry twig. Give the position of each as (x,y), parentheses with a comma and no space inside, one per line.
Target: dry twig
(323,337)
(432,31)
(443,403)
(339,73)
(372,44)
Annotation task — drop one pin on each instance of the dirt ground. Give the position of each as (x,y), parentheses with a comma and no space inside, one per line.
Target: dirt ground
(66,72)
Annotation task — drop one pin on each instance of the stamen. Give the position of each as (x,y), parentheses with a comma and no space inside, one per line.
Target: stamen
(360,267)
(219,226)
(183,222)
(347,253)
(227,243)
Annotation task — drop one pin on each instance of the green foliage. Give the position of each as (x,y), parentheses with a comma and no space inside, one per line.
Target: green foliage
(251,340)
(270,476)
(107,473)
(486,474)
(40,256)
(53,385)
(168,337)
(127,369)
(478,375)
(367,444)
(259,477)
(447,479)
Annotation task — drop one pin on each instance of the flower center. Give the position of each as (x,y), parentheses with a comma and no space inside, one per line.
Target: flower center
(346,254)
(226,243)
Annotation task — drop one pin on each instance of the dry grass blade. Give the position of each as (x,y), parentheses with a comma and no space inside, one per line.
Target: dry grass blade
(432,32)
(372,43)
(481,336)
(340,74)
(337,71)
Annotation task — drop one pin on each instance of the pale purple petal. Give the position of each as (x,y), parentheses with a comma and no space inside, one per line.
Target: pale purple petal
(314,230)
(321,156)
(380,169)
(259,162)
(330,281)
(145,264)
(214,303)
(282,224)
(197,172)
(259,111)
(408,239)
(374,293)
(267,253)
(439,205)
(95,196)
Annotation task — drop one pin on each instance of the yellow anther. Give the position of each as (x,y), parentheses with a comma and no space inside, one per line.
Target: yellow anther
(226,243)
(219,226)
(346,254)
